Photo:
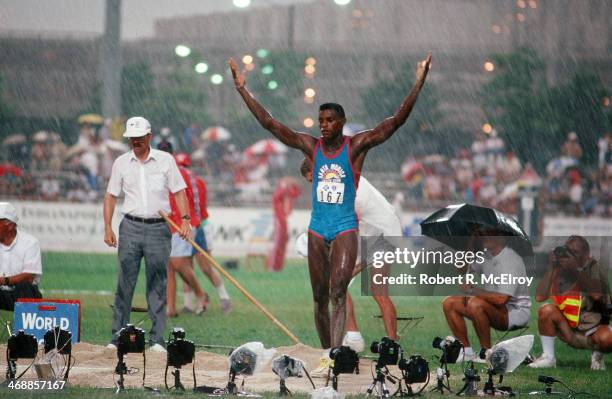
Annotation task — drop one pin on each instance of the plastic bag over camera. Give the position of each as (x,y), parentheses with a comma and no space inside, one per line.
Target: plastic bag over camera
(286,366)
(507,355)
(326,393)
(250,358)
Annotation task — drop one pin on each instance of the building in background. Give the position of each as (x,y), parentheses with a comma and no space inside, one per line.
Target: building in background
(53,77)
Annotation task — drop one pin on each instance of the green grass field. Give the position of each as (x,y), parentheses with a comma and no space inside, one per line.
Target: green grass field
(287,296)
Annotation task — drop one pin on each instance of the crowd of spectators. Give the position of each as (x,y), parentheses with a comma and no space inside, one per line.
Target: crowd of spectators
(490,174)
(43,167)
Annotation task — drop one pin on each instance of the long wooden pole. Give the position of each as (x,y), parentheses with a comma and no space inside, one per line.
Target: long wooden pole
(236,284)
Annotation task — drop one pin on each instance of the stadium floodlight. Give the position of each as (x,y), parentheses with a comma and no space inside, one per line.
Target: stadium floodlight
(216,79)
(201,67)
(342,2)
(182,51)
(241,3)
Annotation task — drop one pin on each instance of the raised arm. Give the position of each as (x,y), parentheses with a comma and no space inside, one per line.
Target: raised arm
(387,127)
(287,136)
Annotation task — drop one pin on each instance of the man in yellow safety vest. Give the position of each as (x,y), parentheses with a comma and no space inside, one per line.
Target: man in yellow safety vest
(578,286)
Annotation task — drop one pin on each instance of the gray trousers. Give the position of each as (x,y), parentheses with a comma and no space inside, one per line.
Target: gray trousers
(152,242)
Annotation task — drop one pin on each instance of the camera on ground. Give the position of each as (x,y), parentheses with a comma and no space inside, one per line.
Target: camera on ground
(388,351)
(415,369)
(450,347)
(345,360)
(180,350)
(131,340)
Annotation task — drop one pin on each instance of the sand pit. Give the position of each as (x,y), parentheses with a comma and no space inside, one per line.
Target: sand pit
(95,365)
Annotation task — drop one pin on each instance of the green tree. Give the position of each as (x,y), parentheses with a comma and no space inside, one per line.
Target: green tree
(178,103)
(420,133)
(517,102)
(277,81)
(5,110)
(534,118)
(579,108)
(137,86)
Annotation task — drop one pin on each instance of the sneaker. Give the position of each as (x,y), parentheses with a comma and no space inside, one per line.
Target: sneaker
(354,340)
(544,362)
(111,346)
(226,306)
(597,361)
(157,348)
(202,305)
(324,366)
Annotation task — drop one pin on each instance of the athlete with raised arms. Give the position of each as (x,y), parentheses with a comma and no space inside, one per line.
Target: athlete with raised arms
(337,163)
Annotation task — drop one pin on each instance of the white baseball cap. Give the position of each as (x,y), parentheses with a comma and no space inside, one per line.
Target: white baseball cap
(8,211)
(137,126)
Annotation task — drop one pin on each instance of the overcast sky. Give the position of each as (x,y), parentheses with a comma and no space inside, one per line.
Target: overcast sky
(87,16)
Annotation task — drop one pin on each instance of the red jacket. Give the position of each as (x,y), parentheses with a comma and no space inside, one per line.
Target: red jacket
(203,197)
(175,215)
(285,194)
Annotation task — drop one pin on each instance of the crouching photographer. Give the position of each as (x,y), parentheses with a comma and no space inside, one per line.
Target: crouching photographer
(579,313)
(497,305)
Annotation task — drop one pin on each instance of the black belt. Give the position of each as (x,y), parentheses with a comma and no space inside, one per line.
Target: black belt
(143,220)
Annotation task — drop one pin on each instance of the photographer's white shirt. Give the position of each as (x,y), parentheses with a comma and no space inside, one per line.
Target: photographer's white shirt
(21,256)
(506,262)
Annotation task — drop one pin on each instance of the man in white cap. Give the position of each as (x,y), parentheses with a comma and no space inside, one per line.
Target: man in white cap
(20,264)
(146,176)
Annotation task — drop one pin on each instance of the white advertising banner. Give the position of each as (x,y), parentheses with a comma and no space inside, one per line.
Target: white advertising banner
(80,228)
(233,232)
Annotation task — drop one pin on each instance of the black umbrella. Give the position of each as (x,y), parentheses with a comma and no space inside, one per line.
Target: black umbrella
(454,225)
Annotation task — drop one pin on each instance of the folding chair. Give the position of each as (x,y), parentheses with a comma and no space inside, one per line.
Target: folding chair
(410,322)
(520,329)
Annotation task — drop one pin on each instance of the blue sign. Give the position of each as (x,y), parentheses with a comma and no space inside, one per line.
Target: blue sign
(37,316)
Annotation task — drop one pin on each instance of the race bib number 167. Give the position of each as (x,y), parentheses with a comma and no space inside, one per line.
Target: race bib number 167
(330,193)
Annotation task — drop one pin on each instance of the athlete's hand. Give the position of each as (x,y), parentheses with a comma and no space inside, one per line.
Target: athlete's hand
(109,237)
(423,68)
(185,230)
(239,78)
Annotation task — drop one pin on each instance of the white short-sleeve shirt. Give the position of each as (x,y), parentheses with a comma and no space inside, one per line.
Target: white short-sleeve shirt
(21,256)
(506,262)
(146,184)
(376,215)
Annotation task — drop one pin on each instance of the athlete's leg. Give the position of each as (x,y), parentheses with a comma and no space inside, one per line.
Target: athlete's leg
(208,271)
(388,314)
(184,265)
(380,293)
(342,262)
(351,321)
(189,297)
(318,267)
(276,255)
